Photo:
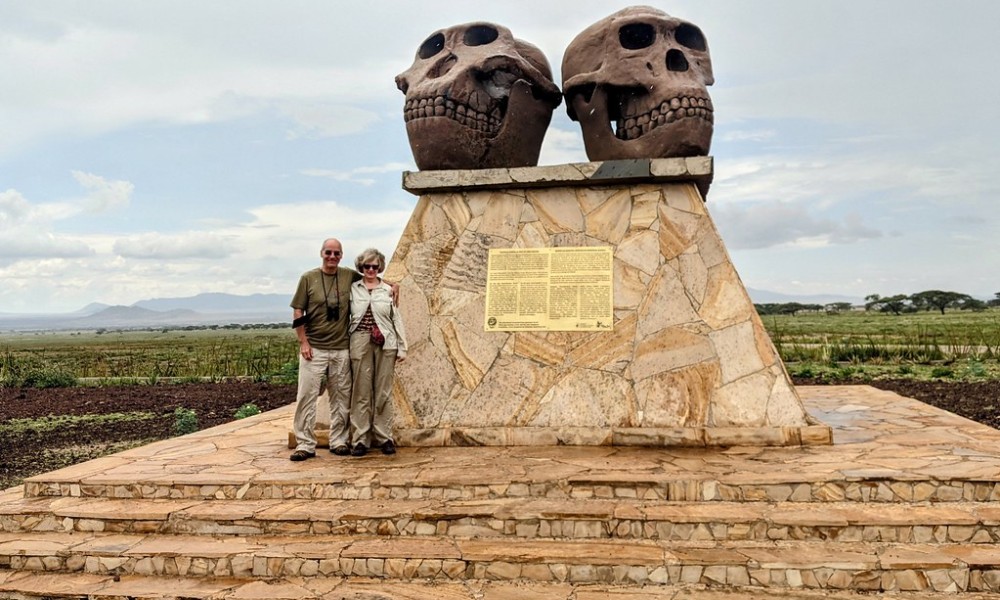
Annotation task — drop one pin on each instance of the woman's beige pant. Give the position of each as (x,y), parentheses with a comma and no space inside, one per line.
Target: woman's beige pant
(371,398)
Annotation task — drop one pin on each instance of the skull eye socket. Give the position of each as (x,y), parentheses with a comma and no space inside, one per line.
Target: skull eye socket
(431,46)
(480,35)
(690,36)
(636,35)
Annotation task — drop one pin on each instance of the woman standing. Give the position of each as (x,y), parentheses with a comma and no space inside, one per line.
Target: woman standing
(377,342)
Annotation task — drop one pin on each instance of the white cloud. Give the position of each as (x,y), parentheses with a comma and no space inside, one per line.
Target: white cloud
(262,254)
(357,175)
(755,135)
(91,76)
(186,245)
(104,195)
(826,175)
(769,224)
(13,208)
(26,229)
(561,146)
(294,232)
(35,245)
(323,119)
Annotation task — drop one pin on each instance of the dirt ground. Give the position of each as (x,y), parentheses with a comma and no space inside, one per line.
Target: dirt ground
(27,451)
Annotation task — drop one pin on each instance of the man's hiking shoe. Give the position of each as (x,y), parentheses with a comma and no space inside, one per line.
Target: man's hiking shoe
(341,450)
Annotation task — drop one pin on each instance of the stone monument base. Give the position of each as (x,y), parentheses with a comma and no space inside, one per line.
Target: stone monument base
(686,361)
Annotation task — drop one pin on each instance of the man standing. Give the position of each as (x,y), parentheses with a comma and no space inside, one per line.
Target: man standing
(320,310)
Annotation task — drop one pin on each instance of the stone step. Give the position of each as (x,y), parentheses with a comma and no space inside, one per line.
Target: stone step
(976,523)
(791,565)
(447,473)
(58,586)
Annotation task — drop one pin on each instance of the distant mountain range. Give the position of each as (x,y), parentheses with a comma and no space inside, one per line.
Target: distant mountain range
(225,309)
(203,309)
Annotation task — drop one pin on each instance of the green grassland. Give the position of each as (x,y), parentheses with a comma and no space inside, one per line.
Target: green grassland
(147,356)
(853,345)
(862,345)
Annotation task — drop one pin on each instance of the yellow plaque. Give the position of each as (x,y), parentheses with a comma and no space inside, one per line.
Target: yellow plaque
(550,289)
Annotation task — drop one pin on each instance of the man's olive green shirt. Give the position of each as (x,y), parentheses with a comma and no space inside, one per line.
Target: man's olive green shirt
(315,293)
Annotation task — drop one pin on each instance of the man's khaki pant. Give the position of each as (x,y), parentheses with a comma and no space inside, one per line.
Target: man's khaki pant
(336,366)
(371,400)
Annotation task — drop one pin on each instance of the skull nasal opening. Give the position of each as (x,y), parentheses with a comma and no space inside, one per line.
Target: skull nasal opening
(676,61)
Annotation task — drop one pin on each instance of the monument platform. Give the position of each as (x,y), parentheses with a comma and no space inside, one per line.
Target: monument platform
(905,500)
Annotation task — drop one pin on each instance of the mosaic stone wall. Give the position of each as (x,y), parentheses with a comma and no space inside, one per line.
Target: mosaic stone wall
(687,363)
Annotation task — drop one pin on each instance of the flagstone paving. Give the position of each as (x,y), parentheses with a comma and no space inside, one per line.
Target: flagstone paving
(906,499)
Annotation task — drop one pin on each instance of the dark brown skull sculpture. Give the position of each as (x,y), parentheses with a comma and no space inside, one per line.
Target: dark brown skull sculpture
(477,98)
(647,73)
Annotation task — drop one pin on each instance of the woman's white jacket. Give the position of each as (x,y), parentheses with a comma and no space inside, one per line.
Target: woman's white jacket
(386,315)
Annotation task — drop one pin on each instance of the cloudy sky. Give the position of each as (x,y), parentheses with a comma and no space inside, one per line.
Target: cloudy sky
(166,148)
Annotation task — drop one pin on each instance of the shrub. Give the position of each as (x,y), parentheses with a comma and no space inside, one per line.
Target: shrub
(48,378)
(804,372)
(185,421)
(18,371)
(975,369)
(845,373)
(287,373)
(247,410)
(941,372)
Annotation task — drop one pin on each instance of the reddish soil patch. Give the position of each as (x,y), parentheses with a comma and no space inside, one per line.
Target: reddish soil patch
(27,452)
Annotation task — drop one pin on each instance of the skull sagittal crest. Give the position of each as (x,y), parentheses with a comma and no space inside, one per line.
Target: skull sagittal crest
(476,97)
(637,82)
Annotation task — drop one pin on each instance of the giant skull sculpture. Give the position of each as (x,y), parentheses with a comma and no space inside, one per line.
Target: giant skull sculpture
(477,98)
(647,73)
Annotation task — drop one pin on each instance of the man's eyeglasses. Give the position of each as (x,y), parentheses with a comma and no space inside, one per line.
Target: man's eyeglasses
(372,267)
(332,253)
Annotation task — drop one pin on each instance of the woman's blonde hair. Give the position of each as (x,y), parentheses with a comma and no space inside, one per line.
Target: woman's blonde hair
(366,258)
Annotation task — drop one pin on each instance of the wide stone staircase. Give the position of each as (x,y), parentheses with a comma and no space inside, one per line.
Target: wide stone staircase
(906,501)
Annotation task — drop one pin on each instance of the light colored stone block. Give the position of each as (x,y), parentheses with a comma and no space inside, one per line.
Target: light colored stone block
(558,210)
(678,398)
(640,250)
(502,216)
(669,349)
(587,396)
(609,221)
(736,348)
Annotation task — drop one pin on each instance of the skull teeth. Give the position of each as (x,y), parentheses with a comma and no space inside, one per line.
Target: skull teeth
(440,106)
(668,111)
